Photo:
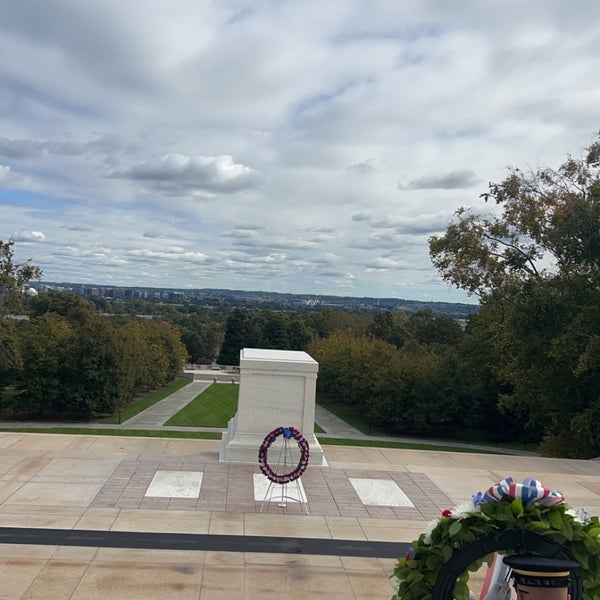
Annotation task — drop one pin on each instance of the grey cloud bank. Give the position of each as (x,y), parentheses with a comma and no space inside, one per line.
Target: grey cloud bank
(304,147)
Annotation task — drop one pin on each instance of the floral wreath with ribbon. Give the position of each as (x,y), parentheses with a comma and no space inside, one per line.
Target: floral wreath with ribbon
(506,507)
(287,433)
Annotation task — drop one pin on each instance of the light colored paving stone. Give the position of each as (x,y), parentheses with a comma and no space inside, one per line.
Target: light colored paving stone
(167,521)
(58,579)
(175,484)
(98,518)
(226,523)
(291,492)
(149,557)
(380,492)
(431,480)
(286,525)
(49,517)
(26,551)
(75,470)
(345,528)
(116,581)
(18,574)
(55,494)
(8,488)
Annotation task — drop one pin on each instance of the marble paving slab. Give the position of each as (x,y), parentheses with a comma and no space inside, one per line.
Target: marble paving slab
(380,492)
(175,484)
(294,491)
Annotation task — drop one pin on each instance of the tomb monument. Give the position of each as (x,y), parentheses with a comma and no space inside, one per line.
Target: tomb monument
(277,389)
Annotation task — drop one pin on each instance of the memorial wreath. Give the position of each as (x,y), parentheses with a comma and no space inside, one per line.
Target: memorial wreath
(288,433)
(525,513)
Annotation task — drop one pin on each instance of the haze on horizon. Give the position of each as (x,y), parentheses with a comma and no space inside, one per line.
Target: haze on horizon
(309,147)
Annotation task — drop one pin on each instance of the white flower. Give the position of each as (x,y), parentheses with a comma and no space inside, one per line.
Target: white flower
(462,511)
(580,515)
(429,530)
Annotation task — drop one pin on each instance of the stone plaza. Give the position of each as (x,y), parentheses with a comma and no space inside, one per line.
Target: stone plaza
(86,517)
(131,486)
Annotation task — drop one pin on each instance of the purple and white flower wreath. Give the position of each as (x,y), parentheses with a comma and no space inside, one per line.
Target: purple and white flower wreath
(288,433)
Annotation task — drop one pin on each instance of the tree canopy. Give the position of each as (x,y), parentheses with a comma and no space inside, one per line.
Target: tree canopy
(535,265)
(13,276)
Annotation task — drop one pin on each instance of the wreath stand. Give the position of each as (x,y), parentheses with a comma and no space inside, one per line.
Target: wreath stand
(284,464)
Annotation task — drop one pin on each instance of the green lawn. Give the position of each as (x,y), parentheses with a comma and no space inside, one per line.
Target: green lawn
(198,435)
(146,402)
(400,445)
(352,419)
(212,408)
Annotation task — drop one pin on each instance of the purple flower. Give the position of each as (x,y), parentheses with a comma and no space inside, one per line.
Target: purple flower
(477,499)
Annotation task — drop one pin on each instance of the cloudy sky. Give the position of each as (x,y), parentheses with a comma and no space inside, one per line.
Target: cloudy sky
(293,146)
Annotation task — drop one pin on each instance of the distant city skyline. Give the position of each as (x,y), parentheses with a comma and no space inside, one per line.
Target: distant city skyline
(254,298)
(294,147)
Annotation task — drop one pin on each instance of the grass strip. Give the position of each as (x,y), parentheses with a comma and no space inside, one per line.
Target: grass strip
(212,408)
(401,446)
(200,435)
(145,402)
(350,418)
(209,435)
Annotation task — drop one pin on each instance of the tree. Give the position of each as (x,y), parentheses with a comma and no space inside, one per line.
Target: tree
(434,332)
(298,334)
(535,265)
(47,345)
(240,332)
(14,276)
(273,330)
(11,361)
(390,326)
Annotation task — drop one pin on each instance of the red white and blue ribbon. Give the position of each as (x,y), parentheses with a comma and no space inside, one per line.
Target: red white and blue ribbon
(530,492)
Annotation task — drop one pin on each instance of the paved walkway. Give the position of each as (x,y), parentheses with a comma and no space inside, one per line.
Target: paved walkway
(78,519)
(98,483)
(158,414)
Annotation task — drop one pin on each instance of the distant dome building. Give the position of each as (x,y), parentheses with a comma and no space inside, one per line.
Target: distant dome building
(30,292)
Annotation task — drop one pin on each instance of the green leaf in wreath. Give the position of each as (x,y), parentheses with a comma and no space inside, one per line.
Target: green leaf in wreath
(516,507)
(455,528)
(503,516)
(537,526)
(594,532)
(461,591)
(433,562)
(567,529)
(556,519)
(447,552)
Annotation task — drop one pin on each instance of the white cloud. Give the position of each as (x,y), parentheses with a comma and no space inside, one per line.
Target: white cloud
(177,174)
(462,179)
(167,254)
(27,236)
(291,122)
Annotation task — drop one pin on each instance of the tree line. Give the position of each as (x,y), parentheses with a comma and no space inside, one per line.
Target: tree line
(526,367)
(68,361)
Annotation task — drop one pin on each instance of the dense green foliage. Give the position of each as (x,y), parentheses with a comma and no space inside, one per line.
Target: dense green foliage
(14,277)
(411,375)
(71,362)
(262,329)
(536,268)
